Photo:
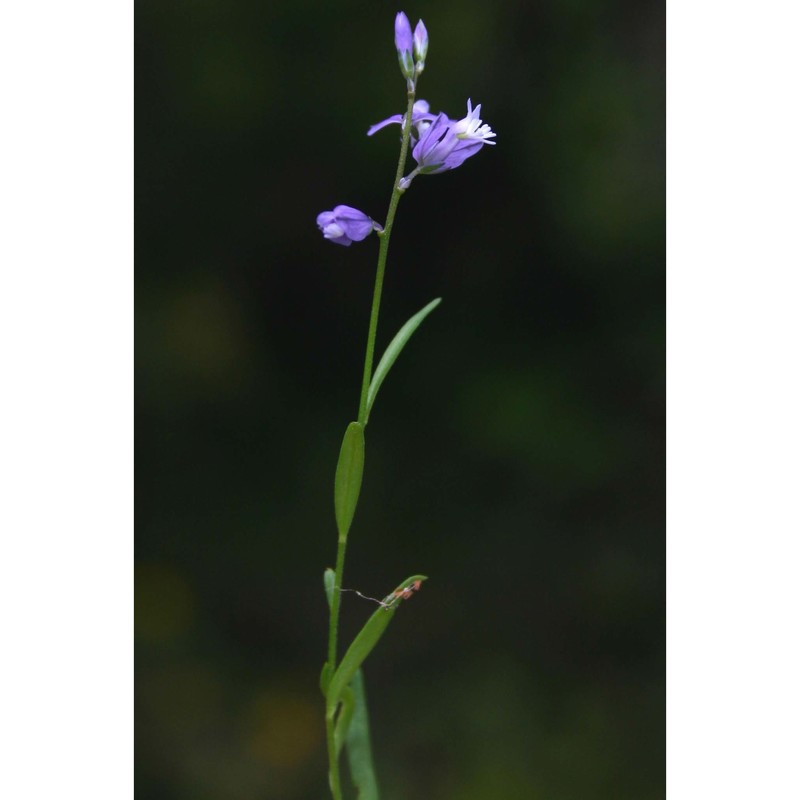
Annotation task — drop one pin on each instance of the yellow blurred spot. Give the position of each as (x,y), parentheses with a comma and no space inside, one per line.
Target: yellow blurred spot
(204,336)
(163,603)
(286,728)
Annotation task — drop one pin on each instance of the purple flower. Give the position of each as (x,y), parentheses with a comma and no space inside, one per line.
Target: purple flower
(419,117)
(447,144)
(345,225)
(440,143)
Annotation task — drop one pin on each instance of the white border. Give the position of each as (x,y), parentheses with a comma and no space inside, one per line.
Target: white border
(66,344)
(733,399)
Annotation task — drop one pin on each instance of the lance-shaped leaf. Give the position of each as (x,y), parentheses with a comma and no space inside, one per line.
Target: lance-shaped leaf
(367,638)
(361,647)
(349,471)
(393,350)
(358,747)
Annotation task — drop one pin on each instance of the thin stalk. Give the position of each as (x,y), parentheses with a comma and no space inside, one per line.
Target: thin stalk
(382,254)
(333,629)
(383,251)
(333,761)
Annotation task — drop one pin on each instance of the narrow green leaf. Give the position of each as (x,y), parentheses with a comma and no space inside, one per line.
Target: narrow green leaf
(352,726)
(365,641)
(349,471)
(393,350)
(358,747)
(361,647)
(343,720)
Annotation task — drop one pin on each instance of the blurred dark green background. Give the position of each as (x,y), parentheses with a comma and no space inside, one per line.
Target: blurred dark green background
(515,455)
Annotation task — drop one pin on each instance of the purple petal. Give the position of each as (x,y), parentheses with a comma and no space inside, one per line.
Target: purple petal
(355,224)
(435,143)
(345,225)
(395,119)
(419,114)
(461,152)
(348,212)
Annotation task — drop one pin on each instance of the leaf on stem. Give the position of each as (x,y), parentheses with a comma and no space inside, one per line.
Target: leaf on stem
(365,641)
(349,471)
(359,749)
(393,350)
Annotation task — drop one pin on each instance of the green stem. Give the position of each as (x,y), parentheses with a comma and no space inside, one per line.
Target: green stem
(330,734)
(335,601)
(382,254)
(333,630)
(383,251)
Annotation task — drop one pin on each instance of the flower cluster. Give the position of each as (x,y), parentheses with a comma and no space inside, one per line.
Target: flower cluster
(438,143)
(405,42)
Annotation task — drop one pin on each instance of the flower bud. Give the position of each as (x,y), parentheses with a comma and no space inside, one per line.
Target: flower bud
(402,33)
(404,42)
(420,44)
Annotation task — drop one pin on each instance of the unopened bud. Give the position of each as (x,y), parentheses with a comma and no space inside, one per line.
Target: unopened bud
(420,42)
(404,42)
(403,39)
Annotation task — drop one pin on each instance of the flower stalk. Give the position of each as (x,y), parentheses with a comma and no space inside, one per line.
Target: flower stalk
(437,144)
(383,252)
